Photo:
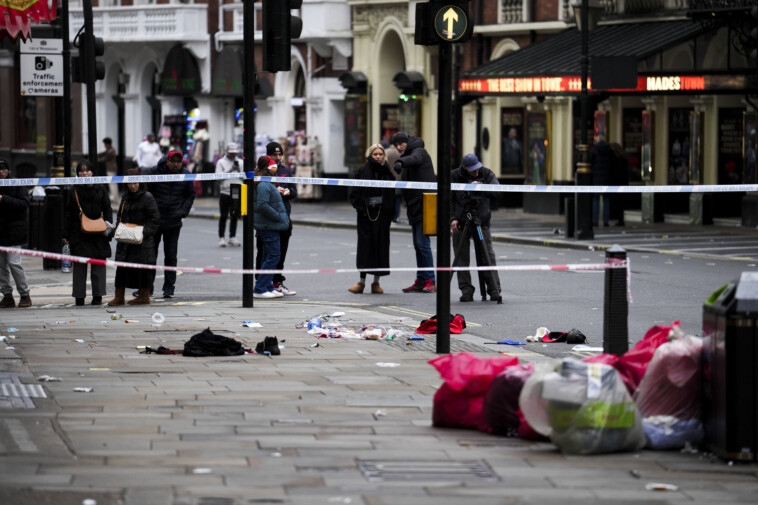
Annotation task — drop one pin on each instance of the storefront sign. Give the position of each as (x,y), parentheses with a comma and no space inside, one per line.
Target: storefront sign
(181,75)
(573,84)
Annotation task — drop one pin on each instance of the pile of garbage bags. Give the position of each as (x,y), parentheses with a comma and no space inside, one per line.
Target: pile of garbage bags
(648,397)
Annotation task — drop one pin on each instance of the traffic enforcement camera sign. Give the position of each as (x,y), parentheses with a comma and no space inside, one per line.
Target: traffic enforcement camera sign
(451,23)
(42,68)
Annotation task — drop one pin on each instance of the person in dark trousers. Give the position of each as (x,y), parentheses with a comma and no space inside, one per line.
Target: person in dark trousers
(175,201)
(94,202)
(415,164)
(14,232)
(108,159)
(601,156)
(476,206)
(375,209)
(137,207)
(619,176)
(288,193)
(226,165)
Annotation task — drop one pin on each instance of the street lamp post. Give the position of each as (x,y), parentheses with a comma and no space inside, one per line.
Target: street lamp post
(585,22)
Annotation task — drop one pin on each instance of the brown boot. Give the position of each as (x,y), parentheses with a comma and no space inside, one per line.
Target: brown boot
(143,297)
(8,302)
(25,301)
(357,288)
(118,298)
(376,288)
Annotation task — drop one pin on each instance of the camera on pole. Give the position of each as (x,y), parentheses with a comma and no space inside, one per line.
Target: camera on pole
(279,28)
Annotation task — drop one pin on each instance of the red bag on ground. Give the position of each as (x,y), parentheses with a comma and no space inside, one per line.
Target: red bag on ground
(632,364)
(459,402)
(457,324)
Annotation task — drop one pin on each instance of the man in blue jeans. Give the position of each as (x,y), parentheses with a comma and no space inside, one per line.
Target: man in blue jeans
(415,164)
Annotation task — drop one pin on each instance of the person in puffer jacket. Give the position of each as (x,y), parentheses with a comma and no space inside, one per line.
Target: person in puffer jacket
(175,201)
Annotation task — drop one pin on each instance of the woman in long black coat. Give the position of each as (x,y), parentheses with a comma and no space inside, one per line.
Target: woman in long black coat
(95,203)
(376,209)
(137,207)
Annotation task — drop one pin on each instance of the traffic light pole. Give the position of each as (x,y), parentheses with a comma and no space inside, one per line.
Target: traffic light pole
(444,110)
(248,150)
(87,50)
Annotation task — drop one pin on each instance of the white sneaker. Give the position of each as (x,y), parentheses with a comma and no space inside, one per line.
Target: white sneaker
(277,294)
(267,294)
(281,288)
(222,242)
(233,242)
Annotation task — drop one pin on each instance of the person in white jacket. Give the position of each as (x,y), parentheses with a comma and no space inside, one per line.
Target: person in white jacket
(148,153)
(225,165)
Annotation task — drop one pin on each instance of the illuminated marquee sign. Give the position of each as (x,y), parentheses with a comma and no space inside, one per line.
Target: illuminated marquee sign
(573,84)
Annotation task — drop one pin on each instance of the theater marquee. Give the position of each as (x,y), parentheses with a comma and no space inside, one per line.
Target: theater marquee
(573,84)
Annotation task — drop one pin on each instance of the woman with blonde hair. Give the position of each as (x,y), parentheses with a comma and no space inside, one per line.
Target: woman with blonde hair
(375,209)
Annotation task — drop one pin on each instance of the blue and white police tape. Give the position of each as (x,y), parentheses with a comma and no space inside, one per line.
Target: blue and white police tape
(428,186)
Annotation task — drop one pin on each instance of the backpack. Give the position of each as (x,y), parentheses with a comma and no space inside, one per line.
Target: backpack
(207,343)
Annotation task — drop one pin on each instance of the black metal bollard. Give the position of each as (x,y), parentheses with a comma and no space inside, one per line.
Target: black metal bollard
(53,226)
(616,309)
(570,216)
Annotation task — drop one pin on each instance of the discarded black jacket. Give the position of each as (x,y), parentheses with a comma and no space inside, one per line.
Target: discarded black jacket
(207,343)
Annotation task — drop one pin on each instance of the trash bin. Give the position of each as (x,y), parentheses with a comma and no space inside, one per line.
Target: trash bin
(730,370)
(37,219)
(52,226)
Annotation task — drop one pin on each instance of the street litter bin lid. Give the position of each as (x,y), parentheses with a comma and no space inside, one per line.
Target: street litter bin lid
(747,292)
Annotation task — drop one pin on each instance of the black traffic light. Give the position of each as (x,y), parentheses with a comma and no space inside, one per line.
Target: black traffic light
(279,28)
(443,21)
(753,43)
(81,64)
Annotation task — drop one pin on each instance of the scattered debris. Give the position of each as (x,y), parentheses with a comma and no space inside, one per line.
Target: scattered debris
(659,486)
(83,390)
(48,378)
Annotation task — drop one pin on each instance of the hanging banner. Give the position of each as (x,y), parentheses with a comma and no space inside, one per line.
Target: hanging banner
(16,16)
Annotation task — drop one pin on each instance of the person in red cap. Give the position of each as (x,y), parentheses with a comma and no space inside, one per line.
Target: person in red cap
(175,201)
(269,218)
(288,192)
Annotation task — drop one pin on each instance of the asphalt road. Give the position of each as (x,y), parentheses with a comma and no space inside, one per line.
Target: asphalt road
(664,287)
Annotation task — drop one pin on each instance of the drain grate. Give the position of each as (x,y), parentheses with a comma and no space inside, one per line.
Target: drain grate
(429,344)
(426,470)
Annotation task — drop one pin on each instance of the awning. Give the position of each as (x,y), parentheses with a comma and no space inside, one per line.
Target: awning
(354,82)
(16,16)
(553,65)
(228,73)
(409,82)
(181,75)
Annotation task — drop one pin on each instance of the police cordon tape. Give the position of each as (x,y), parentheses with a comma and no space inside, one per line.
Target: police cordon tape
(611,263)
(430,186)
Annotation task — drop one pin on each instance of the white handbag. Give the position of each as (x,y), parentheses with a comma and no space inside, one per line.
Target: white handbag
(128,233)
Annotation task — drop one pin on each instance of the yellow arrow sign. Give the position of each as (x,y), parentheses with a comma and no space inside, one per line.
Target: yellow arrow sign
(450,17)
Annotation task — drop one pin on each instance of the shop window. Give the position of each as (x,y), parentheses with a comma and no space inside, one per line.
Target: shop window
(679,145)
(632,141)
(512,127)
(27,124)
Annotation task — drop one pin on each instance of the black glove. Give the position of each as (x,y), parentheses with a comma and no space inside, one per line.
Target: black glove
(398,166)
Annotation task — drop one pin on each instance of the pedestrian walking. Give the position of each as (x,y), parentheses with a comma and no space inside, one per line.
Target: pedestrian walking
(92,201)
(14,232)
(472,208)
(174,201)
(601,156)
(225,165)
(375,209)
(619,176)
(148,153)
(288,193)
(137,207)
(415,164)
(108,159)
(270,218)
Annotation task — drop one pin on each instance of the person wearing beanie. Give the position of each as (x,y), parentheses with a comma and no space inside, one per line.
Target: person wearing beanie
(288,193)
(415,164)
(93,201)
(14,232)
(226,165)
(472,208)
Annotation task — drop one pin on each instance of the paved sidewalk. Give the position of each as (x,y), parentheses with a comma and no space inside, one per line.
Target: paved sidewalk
(344,422)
